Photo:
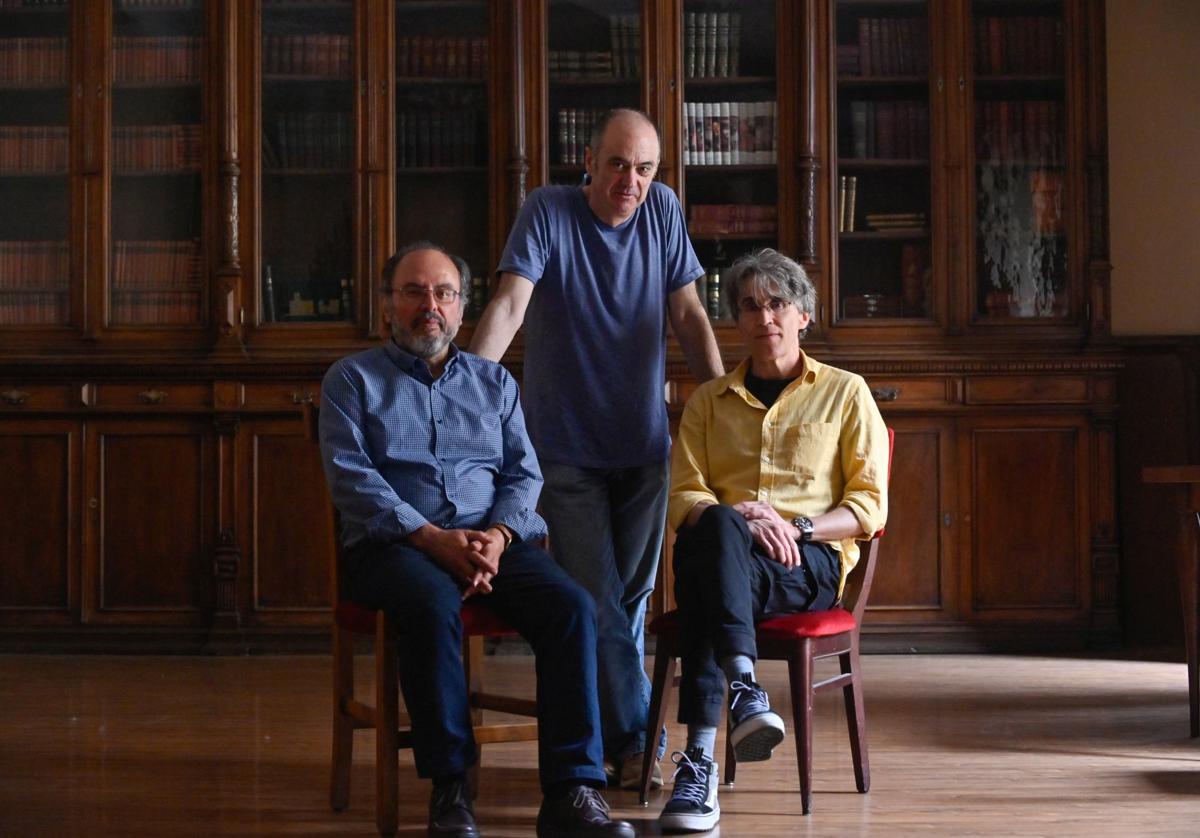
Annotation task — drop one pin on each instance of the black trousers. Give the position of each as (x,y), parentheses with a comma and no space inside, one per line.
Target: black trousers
(724,584)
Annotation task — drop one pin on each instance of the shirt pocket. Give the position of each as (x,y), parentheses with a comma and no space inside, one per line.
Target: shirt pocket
(809,448)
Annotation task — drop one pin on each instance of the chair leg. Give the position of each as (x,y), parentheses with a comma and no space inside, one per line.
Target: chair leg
(472,657)
(730,757)
(800,674)
(387,725)
(856,719)
(664,673)
(343,725)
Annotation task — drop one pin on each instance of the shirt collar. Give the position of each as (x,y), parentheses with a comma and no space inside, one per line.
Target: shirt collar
(415,366)
(736,380)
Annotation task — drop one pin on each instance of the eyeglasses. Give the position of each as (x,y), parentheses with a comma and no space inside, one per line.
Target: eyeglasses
(748,305)
(443,294)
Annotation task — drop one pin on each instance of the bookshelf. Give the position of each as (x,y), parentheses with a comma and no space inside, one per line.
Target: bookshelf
(34,164)
(883,187)
(730,135)
(187,245)
(307,130)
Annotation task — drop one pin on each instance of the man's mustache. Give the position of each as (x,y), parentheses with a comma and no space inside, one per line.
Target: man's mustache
(430,315)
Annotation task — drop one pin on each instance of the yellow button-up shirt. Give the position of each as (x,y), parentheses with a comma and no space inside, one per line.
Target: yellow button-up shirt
(823,444)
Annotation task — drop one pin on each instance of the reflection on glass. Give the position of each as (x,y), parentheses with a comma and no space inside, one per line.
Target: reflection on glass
(730,147)
(34,202)
(882,197)
(442,182)
(157,254)
(1020,163)
(307,155)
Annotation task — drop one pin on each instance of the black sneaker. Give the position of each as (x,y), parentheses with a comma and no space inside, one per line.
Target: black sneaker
(450,810)
(580,812)
(693,806)
(756,728)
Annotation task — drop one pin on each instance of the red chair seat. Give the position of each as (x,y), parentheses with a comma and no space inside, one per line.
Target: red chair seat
(785,627)
(477,620)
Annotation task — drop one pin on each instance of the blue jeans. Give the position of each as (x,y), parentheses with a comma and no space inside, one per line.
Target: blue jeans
(534,596)
(606,530)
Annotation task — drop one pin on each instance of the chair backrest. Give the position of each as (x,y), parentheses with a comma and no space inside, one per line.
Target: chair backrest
(312,432)
(858,583)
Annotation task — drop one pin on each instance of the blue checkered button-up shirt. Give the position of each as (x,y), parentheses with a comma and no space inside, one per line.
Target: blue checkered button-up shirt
(402,449)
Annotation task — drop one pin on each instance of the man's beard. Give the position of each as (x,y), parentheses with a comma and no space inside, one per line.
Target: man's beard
(422,345)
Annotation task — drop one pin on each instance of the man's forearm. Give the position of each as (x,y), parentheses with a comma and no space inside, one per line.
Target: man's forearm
(502,318)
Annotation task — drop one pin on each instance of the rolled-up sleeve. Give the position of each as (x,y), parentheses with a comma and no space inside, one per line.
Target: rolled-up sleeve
(864,453)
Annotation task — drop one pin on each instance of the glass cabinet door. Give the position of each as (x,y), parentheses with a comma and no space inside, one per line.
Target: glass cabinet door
(1020,161)
(730,142)
(882,189)
(442,106)
(157,254)
(594,65)
(307,183)
(34,162)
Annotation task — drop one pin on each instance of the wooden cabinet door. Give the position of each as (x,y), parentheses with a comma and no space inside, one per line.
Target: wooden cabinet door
(149,521)
(39,548)
(915,580)
(1026,494)
(290,570)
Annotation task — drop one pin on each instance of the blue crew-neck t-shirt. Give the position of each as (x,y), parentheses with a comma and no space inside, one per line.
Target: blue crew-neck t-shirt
(596,325)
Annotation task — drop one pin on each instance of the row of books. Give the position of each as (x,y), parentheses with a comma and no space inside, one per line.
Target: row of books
(896,130)
(156,308)
(158,4)
(30,4)
(567,64)
(308,140)
(34,148)
(711,44)
(34,265)
(444,137)
(913,221)
(307,55)
(574,131)
(1018,45)
(625,38)
(172,59)
(886,46)
(147,148)
(729,133)
(1031,130)
(33,60)
(156,265)
(723,219)
(425,56)
(27,308)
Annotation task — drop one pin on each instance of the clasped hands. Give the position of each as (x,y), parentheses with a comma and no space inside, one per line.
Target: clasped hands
(771,532)
(471,557)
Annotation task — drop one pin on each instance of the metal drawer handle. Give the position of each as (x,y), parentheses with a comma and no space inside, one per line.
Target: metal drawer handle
(302,397)
(885,394)
(153,396)
(14,397)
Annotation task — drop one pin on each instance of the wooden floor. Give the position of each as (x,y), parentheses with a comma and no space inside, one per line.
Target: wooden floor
(960,745)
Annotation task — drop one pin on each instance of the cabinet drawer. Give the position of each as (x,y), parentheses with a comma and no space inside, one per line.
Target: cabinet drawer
(146,394)
(37,397)
(914,392)
(1006,389)
(287,394)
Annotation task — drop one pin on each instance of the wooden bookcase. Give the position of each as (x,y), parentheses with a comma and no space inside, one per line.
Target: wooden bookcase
(196,197)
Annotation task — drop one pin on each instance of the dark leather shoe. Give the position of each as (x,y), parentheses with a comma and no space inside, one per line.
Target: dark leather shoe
(450,811)
(582,813)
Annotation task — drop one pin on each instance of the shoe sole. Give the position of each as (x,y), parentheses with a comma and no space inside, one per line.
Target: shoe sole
(689,823)
(754,739)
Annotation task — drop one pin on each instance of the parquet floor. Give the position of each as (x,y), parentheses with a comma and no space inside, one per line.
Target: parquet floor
(960,745)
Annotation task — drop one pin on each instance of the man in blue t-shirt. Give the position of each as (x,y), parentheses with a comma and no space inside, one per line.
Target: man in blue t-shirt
(595,272)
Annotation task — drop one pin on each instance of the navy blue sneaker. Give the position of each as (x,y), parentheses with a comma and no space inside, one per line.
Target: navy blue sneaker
(693,806)
(756,728)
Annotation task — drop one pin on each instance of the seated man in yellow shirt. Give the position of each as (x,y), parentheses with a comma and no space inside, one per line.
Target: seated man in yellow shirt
(779,466)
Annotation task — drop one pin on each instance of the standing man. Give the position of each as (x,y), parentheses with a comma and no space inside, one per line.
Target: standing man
(595,272)
(427,459)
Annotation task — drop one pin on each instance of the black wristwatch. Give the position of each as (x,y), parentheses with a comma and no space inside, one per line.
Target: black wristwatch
(805,525)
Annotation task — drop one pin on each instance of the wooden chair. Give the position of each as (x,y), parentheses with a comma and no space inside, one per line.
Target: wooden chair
(801,640)
(384,717)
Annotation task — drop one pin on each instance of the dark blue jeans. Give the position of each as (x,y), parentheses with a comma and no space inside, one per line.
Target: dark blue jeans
(724,584)
(534,596)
